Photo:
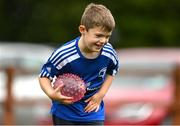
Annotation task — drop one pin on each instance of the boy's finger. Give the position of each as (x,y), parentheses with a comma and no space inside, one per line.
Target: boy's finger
(66,97)
(89,105)
(87,100)
(97,109)
(90,108)
(67,101)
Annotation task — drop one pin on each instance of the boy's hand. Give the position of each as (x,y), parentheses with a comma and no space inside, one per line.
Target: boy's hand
(56,95)
(93,103)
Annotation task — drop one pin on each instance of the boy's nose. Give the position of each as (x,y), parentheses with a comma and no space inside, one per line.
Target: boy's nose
(103,40)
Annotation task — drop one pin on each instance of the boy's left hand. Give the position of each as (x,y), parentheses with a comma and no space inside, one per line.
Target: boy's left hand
(93,103)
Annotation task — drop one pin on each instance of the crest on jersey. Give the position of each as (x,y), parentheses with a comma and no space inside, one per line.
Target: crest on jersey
(102,72)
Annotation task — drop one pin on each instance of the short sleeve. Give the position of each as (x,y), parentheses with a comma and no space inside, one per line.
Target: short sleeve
(48,69)
(113,68)
(113,64)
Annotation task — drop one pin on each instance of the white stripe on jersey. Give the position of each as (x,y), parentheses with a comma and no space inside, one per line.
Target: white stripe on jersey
(109,47)
(68,60)
(61,53)
(41,73)
(48,74)
(109,55)
(109,50)
(63,48)
(108,44)
(45,73)
(56,63)
(114,72)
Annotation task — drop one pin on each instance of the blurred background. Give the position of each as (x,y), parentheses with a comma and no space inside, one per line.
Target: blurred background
(146,38)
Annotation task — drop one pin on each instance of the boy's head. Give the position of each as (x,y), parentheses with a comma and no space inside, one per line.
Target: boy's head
(96,15)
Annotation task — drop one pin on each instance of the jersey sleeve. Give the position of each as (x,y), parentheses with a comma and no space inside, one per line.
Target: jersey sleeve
(113,68)
(49,69)
(111,55)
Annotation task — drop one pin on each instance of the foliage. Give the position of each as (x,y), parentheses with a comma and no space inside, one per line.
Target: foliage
(139,23)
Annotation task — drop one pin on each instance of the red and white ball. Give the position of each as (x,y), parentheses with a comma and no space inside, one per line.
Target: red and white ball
(73,86)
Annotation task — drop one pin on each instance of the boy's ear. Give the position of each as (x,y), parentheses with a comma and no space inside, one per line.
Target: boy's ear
(82,29)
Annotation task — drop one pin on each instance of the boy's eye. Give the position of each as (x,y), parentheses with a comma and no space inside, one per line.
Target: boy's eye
(99,36)
(102,36)
(107,37)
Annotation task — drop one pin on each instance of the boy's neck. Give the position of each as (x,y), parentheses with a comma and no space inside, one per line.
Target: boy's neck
(86,52)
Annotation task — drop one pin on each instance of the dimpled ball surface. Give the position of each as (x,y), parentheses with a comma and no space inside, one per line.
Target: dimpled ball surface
(73,86)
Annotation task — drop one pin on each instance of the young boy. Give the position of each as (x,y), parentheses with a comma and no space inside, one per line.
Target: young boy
(89,56)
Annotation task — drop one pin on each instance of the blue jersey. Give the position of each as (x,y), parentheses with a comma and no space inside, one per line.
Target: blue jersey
(68,59)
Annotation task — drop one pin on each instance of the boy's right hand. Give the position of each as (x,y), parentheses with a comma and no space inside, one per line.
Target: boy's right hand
(57,96)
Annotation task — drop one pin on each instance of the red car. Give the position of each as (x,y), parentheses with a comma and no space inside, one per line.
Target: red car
(143,90)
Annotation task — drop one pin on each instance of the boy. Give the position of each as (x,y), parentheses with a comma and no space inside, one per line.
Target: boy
(89,56)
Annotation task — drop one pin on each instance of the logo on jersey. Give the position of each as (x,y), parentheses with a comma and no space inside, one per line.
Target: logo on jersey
(102,72)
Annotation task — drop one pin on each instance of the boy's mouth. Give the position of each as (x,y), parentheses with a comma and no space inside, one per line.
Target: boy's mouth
(99,46)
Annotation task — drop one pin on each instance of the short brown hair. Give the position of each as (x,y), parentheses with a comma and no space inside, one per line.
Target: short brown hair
(97,15)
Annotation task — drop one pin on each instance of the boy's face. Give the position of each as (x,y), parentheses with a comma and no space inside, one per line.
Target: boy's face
(95,38)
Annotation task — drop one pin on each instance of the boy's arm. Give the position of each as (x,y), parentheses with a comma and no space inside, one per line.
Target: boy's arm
(106,85)
(95,100)
(52,93)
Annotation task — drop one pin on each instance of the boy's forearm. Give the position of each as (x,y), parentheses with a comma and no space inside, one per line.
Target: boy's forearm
(45,84)
(106,85)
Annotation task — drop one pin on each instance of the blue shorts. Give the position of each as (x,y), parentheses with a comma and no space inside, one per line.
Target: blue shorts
(59,121)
